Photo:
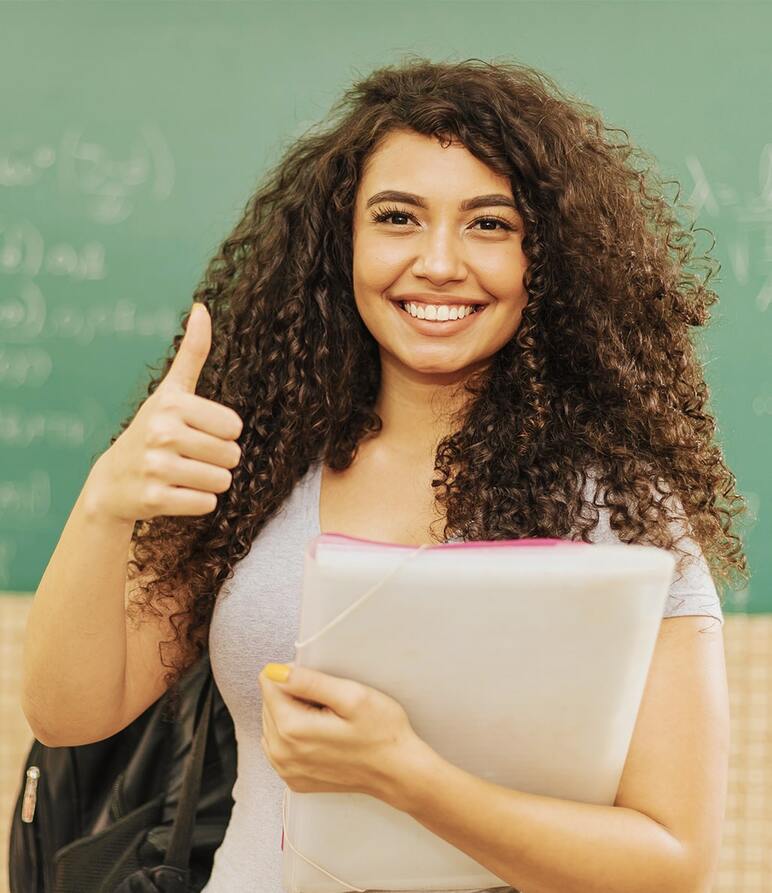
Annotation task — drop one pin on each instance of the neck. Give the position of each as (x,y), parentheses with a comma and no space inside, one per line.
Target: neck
(418,410)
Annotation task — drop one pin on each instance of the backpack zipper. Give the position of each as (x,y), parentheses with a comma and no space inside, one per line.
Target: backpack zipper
(30,794)
(117,804)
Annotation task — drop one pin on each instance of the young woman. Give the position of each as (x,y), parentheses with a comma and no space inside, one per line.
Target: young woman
(333,382)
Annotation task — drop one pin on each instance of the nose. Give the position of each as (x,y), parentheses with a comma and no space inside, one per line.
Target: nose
(440,256)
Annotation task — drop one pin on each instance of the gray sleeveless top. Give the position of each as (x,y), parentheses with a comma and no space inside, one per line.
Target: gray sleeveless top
(256,620)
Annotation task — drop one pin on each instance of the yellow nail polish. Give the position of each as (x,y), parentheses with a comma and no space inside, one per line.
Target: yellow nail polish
(277,672)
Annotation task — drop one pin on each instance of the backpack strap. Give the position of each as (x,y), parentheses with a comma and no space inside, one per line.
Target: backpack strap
(178,854)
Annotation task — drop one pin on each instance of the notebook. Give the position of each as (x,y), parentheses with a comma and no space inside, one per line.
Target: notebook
(565,631)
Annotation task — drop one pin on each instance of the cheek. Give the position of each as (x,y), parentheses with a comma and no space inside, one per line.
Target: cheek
(377,269)
(512,320)
(507,284)
(501,274)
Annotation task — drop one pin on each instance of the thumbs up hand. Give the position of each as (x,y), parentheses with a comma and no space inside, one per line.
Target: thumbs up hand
(173,458)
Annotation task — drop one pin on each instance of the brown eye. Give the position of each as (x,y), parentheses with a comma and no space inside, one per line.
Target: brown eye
(388,213)
(505,223)
(383,216)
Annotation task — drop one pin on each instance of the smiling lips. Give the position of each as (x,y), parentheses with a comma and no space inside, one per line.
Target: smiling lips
(438,312)
(439,325)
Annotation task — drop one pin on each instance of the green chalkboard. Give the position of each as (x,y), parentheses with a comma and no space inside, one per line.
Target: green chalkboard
(133,133)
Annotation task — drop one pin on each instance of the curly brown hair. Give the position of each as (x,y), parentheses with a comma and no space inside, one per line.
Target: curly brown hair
(601,374)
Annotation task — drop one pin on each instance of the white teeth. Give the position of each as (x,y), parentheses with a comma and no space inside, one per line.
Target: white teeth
(439,312)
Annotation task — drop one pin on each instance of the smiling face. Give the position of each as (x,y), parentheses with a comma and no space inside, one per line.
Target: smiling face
(437,243)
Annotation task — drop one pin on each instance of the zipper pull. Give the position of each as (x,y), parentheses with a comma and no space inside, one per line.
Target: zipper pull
(30,794)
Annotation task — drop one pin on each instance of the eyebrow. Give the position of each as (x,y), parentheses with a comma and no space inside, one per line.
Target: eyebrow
(495,199)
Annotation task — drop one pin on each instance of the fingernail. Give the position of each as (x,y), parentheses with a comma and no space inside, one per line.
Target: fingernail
(277,672)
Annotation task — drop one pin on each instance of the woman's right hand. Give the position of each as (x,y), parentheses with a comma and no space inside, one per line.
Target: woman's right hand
(174,456)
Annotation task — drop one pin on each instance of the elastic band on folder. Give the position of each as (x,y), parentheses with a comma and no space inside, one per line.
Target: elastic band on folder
(311,861)
(312,638)
(340,880)
(346,611)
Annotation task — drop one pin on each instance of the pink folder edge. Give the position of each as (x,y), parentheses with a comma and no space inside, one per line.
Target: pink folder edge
(343,538)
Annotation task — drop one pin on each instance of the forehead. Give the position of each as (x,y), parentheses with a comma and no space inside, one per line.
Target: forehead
(412,162)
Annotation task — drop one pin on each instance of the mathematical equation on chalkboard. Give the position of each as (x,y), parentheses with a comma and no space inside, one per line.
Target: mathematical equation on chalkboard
(101,187)
(750,241)
(98,186)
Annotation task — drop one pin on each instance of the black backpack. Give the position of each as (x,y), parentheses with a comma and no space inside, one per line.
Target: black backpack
(139,812)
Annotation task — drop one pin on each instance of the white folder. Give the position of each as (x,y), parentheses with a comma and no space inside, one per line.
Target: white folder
(521,661)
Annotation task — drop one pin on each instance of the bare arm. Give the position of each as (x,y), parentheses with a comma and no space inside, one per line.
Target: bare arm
(88,668)
(75,639)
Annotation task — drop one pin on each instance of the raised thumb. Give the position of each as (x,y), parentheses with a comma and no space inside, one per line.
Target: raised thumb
(193,351)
